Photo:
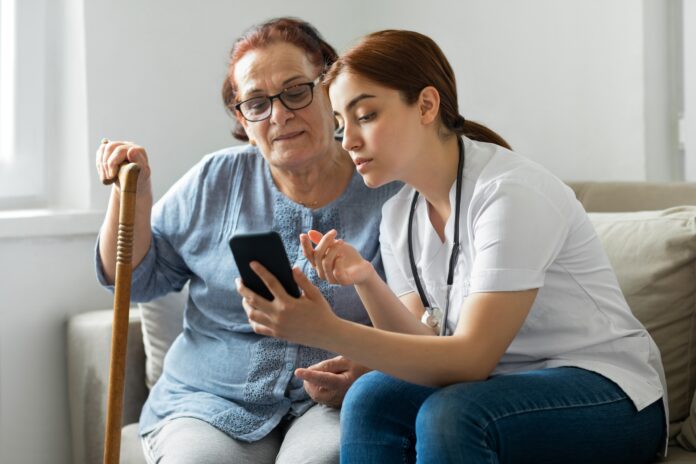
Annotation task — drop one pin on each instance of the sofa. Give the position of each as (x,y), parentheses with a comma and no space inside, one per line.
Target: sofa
(647,229)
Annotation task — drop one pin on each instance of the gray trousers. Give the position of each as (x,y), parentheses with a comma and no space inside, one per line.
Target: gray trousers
(312,438)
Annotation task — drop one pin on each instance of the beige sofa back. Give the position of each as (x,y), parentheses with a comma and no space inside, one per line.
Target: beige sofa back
(633,196)
(649,234)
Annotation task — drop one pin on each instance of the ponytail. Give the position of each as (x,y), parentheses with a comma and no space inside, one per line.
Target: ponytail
(478,132)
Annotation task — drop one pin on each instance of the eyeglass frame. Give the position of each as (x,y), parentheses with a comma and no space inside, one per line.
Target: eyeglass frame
(270,98)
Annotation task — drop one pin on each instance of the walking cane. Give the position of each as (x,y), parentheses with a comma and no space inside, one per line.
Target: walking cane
(128,180)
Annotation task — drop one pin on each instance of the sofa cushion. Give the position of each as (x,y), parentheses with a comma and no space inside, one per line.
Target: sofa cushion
(687,434)
(162,322)
(654,256)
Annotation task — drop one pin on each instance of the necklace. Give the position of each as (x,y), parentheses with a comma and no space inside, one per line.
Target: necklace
(309,204)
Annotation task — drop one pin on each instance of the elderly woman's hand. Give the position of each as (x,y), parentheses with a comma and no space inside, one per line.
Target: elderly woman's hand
(335,260)
(305,320)
(328,381)
(112,154)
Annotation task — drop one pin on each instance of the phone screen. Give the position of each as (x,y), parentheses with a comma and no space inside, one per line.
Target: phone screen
(266,248)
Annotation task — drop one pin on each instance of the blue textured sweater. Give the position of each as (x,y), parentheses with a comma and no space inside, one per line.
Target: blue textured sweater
(218,370)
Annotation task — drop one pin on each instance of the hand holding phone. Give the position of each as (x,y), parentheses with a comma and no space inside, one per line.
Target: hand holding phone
(266,248)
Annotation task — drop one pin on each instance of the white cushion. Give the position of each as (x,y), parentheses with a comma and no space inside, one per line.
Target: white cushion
(654,256)
(162,322)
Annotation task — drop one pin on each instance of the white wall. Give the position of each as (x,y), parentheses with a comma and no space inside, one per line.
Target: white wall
(157,82)
(42,283)
(564,82)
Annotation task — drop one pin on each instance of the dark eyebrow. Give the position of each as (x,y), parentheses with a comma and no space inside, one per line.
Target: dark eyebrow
(357,99)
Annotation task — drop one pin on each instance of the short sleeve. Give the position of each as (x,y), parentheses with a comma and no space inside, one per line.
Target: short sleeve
(518,231)
(396,279)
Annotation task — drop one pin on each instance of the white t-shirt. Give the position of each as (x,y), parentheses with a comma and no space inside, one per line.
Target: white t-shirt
(522,228)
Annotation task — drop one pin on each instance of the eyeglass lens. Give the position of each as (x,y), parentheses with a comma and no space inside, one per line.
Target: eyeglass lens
(294,98)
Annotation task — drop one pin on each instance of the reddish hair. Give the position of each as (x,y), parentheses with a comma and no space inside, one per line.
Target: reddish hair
(408,62)
(289,30)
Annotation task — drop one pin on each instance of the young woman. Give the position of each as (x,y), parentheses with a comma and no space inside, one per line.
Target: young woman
(541,360)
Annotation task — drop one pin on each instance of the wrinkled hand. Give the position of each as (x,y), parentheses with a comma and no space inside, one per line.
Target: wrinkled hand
(335,260)
(112,154)
(328,381)
(307,320)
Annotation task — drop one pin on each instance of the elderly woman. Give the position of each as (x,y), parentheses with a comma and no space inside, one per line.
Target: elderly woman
(226,393)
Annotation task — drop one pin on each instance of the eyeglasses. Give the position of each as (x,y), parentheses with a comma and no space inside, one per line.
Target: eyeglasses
(293,98)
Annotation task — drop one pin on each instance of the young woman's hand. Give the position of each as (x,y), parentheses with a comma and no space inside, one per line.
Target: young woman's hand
(305,320)
(334,260)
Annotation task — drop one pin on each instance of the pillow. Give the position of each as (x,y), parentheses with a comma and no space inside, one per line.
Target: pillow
(654,256)
(162,321)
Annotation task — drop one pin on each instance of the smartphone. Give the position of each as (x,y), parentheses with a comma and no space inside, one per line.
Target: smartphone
(266,248)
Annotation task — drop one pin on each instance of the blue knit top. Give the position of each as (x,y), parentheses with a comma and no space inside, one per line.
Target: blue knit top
(218,370)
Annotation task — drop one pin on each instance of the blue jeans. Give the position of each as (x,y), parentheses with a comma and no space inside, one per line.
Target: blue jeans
(566,415)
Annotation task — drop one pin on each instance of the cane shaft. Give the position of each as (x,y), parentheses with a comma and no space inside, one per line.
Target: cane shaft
(128,179)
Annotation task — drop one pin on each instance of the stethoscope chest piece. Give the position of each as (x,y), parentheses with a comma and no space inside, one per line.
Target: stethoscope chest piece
(432,317)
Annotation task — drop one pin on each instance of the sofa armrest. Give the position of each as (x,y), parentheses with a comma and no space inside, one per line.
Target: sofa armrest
(88,349)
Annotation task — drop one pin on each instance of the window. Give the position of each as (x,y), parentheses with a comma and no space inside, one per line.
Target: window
(22,112)
(7,82)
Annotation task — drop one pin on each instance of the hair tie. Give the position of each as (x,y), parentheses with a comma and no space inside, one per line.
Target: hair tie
(459,123)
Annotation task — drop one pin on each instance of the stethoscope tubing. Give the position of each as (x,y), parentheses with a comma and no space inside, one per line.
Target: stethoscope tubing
(454,255)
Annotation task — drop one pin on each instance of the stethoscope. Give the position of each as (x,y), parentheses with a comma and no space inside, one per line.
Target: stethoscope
(434,317)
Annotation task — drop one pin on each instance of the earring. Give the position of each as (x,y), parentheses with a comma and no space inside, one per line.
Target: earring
(252,142)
